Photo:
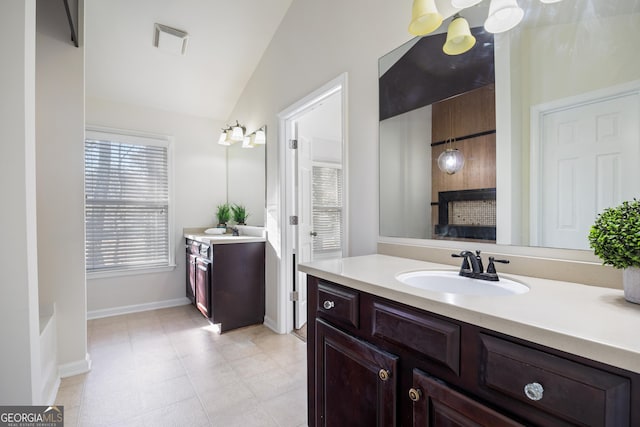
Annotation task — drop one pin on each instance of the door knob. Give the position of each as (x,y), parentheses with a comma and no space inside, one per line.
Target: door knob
(313,233)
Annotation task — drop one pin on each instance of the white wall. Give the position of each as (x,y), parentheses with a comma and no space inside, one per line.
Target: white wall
(199,185)
(315,43)
(60,182)
(19,359)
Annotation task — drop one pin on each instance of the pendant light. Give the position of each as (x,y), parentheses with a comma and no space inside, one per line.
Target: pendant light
(503,16)
(459,37)
(451,159)
(425,17)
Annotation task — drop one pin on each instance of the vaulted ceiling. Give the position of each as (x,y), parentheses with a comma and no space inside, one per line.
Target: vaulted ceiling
(226,41)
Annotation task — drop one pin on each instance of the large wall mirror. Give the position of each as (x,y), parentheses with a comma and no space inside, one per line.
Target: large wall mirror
(551,141)
(246,180)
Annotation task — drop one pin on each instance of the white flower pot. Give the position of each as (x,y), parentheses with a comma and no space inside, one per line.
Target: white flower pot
(631,283)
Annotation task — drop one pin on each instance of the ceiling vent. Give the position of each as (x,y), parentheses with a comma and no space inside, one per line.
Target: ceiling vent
(170,39)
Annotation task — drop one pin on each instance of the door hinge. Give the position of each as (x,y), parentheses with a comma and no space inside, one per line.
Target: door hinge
(293,220)
(294,296)
(293,144)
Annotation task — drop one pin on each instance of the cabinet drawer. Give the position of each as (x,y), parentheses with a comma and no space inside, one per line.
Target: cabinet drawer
(566,390)
(338,304)
(431,337)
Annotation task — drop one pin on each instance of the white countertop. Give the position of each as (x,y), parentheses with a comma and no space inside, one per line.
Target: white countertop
(592,322)
(248,234)
(223,239)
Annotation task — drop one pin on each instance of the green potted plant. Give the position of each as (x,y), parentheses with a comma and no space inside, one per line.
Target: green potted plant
(239,214)
(223,214)
(615,238)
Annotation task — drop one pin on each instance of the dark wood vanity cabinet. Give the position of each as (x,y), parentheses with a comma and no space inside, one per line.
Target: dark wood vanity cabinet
(237,285)
(226,282)
(375,362)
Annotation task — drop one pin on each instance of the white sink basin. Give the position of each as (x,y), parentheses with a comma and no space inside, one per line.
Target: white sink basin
(452,283)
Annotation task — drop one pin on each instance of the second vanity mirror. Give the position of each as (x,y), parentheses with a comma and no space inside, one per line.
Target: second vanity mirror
(246,180)
(546,115)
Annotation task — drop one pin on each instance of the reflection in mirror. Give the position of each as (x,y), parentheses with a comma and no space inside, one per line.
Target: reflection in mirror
(567,132)
(246,180)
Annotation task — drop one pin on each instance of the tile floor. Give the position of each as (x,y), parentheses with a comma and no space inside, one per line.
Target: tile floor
(170,368)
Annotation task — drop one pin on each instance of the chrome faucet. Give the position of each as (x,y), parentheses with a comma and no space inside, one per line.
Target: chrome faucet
(472,266)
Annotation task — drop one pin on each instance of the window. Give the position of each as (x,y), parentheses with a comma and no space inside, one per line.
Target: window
(127,202)
(327,208)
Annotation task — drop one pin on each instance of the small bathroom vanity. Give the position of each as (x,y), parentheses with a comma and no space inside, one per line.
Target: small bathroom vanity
(225,277)
(381,353)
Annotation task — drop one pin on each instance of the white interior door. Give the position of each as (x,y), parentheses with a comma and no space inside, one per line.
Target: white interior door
(323,126)
(305,227)
(586,147)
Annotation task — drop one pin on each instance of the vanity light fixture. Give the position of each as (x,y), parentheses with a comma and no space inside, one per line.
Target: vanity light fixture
(257,137)
(425,17)
(503,16)
(459,37)
(232,134)
(236,133)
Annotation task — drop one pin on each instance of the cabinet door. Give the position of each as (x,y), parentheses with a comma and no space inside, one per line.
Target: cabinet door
(203,287)
(435,404)
(191,277)
(356,382)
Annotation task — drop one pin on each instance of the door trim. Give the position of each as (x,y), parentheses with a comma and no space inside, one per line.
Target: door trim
(537,119)
(284,320)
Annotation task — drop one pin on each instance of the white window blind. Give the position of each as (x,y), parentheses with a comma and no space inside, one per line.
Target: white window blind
(327,208)
(127,202)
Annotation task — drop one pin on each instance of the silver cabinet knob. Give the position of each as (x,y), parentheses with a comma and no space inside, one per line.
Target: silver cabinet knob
(534,391)
(328,305)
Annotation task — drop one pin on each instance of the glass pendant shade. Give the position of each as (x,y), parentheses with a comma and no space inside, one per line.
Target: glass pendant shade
(425,17)
(260,137)
(463,4)
(450,161)
(225,137)
(247,142)
(222,138)
(459,37)
(503,16)
(237,134)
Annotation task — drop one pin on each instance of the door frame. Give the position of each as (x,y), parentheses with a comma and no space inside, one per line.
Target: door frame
(287,180)
(537,119)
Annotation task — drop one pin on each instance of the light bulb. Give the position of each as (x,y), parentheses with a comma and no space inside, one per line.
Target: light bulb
(450,161)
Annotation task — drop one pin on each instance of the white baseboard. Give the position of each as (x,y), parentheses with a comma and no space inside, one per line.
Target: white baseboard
(271,324)
(49,395)
(116,311)
(75,368)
